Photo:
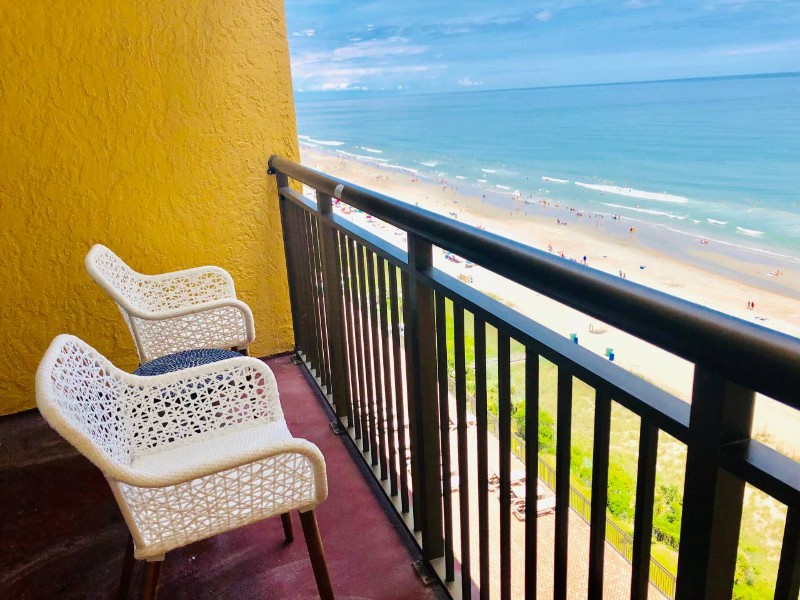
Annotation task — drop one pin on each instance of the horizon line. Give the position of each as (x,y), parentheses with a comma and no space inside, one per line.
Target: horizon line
(767,75)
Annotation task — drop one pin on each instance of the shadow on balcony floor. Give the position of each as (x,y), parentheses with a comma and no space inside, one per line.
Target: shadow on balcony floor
(63,537)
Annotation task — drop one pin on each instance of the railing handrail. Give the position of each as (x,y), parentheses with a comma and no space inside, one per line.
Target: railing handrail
(751,355)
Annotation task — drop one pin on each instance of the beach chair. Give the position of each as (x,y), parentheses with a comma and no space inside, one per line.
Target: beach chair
(171,312)
(188,454)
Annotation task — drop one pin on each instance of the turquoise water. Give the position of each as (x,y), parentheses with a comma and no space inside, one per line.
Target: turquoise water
(714,158)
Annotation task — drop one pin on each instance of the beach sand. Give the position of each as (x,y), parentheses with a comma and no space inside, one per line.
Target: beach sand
(714,275)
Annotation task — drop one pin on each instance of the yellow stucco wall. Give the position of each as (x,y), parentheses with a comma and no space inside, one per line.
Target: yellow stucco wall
(145,126)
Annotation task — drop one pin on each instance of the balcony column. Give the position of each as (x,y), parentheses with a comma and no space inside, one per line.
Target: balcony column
(334,309)
(722,413)
(423,400)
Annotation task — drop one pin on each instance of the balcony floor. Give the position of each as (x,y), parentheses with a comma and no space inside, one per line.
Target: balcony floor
(62,534)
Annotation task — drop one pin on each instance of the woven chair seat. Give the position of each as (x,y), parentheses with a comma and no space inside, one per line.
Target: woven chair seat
(184,360)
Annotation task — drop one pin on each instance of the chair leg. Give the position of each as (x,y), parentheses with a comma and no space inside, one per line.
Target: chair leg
(286,519)
(152,574)
(243,351)
(127,570)
(316,554)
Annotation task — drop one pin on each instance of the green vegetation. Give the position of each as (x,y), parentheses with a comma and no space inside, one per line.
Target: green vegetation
(756,563)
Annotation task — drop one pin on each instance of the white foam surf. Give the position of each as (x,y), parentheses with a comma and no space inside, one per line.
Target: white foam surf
(647,211)
(634,193)
(750,232)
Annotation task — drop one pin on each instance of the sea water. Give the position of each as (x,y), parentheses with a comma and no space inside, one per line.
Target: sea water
(716,159)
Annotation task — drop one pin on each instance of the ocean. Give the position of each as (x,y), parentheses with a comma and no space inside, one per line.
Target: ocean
(715,159)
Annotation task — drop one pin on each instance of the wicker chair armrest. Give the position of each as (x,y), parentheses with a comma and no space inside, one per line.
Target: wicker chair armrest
(308,450)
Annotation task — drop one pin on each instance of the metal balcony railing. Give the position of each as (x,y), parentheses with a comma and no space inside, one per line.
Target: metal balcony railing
(370,322)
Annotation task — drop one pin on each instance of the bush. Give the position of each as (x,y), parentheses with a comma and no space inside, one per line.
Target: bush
(547,434)
(620,492)
(667,514)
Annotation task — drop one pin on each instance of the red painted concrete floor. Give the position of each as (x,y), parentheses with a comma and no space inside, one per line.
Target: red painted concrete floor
(62,536)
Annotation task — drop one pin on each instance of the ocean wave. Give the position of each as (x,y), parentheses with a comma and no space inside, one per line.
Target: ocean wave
(321,142)
(489,170)
(750,232)
(429,163)
(749,249)
(399,168)
(554,179)
(715,222)
(460,177)
(634,193)
(483,180)
(503,187)
(361,157)
(372,150)
(308,145)
(647,211)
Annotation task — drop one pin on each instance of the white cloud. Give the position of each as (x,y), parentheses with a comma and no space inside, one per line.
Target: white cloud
(757,48)
(466,81)
(544,15)
(304,33)
(641,3)
(393,46)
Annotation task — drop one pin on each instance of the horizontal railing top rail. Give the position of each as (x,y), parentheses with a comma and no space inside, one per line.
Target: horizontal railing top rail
(753,356)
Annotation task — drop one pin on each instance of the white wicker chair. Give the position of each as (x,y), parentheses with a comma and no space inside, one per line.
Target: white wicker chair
(182,310)
(188,454)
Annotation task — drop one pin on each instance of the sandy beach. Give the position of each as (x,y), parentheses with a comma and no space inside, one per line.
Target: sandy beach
(711,274)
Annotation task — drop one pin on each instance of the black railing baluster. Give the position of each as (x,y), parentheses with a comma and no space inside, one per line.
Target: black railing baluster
(597,536)
(422,371)
(303,339)
(287,214)
(414,451)
(483,457)
(531,470)
(322,313)
(366,340)
(307,319)
(722,413)
(463,450)
(399,388)
(347,328)
(504,422)
(387,377)
(313,287)
(563,450)
(643,517)
(377,368)
(787,586)
(358,321)
(444,432)
(334,311)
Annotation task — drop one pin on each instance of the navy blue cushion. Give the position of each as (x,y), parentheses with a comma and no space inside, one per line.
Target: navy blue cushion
(184,360)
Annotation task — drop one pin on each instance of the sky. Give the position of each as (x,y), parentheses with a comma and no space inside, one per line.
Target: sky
(346,47)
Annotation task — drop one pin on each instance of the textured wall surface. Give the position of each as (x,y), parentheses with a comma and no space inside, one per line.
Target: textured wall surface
(145,126)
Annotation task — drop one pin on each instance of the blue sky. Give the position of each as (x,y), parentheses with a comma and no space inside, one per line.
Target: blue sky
(415,46)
